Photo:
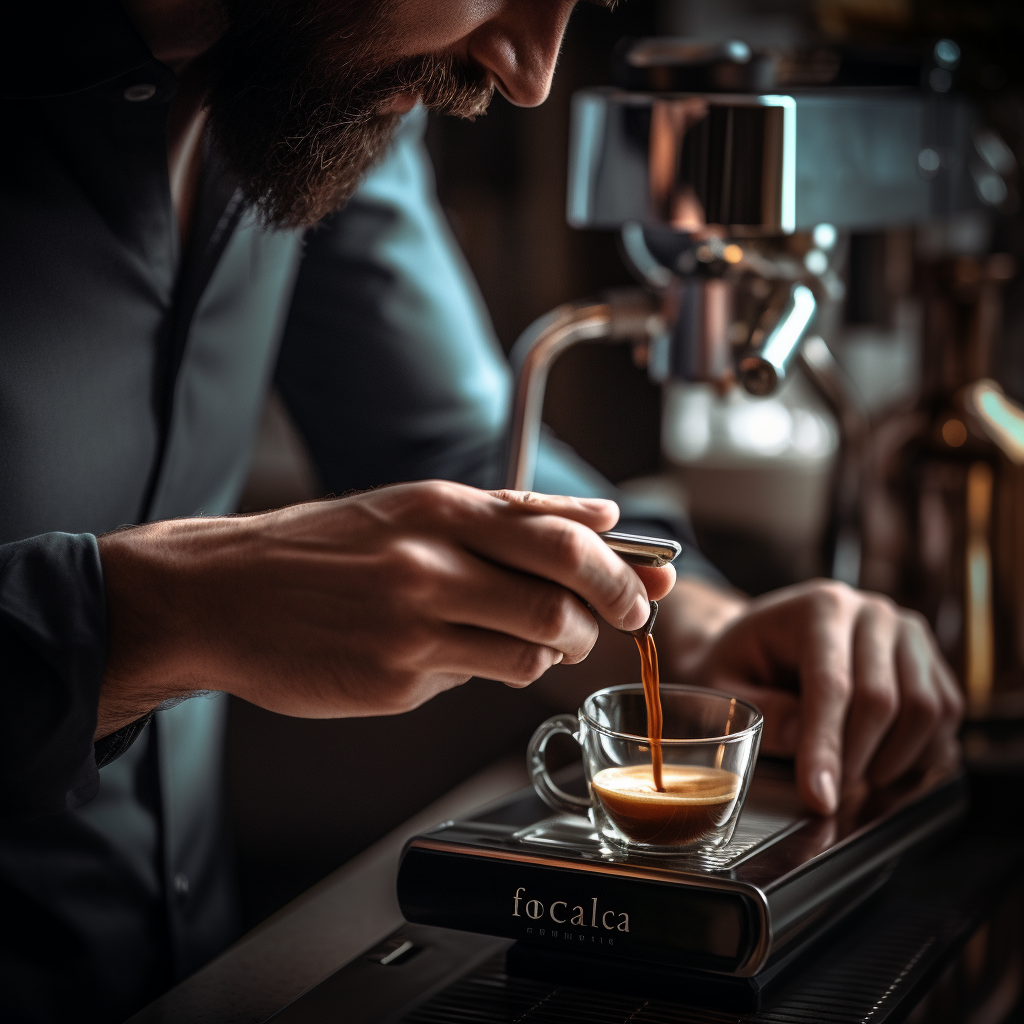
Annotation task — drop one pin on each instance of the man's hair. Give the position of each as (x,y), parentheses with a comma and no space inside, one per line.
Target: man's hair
(299,93)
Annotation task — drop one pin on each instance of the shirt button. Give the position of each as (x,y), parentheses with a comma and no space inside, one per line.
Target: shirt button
(140,93)
(180,883)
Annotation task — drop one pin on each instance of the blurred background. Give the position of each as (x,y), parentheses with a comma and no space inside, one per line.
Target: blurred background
(889,484)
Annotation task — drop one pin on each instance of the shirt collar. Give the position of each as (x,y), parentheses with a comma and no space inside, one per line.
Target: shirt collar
(65,46)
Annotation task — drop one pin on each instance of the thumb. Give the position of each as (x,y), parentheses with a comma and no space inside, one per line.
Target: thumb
(657,582)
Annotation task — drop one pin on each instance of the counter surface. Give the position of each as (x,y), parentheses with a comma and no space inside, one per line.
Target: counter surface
(323,929)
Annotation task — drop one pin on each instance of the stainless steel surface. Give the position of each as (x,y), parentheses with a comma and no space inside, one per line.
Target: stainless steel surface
(699,338)
(683,161)
(765,163)
(650,551)
(621,317)
(325,928)
(700,347)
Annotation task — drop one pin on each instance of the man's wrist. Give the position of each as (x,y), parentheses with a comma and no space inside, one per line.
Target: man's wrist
(141,670)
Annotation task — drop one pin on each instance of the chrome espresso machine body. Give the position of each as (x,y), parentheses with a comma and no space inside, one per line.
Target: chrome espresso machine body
(739,182)
(711,165)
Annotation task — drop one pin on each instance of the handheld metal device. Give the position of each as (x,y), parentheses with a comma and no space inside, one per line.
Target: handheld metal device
(653,552)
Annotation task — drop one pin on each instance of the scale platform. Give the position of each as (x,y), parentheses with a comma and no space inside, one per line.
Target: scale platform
(729,923)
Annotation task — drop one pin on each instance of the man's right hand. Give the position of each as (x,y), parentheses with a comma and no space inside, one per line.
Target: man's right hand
(365,605)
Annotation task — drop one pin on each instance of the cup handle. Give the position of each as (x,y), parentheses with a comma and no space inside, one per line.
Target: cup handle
(557,799)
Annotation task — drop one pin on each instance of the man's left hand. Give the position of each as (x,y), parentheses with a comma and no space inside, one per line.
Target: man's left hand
(849,683)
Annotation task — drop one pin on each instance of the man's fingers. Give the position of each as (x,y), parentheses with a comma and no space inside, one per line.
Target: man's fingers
(470,592)
(825,688)
(780,709)
(468,651)
(922,707)
(565,552)
(946,686)
(942,753)
(876,699)
(657,582)
(598,513)
(869,674)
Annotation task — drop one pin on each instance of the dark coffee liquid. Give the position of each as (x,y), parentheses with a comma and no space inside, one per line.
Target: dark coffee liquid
(652,697)
(665,806)
(695,800)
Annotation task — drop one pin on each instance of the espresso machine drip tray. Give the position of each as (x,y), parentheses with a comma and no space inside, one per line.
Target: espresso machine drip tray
(730,920)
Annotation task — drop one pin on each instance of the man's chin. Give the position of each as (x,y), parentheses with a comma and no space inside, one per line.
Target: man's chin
(296,188)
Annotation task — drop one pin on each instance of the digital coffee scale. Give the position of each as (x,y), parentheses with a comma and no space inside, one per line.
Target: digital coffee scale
(801,920)
(723,925)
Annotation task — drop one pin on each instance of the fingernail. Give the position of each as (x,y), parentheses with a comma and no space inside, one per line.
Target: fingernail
(596,504)
(824,786)
(638,614)
(557,658)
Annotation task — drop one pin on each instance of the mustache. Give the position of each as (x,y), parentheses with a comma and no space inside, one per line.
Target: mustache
(444,84)
(300,135)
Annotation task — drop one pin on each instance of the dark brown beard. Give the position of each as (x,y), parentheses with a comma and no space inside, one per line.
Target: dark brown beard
(298,93)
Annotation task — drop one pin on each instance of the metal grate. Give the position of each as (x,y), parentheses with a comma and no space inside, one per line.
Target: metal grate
(859,991)
(754,830)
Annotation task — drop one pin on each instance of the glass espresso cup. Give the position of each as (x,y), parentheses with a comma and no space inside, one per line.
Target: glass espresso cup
(709,746)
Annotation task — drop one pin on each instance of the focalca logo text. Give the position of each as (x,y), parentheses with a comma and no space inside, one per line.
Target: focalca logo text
(561,912)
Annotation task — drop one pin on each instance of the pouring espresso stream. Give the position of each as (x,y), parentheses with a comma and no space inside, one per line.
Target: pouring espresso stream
(652,695)
(661,805)
(654,552)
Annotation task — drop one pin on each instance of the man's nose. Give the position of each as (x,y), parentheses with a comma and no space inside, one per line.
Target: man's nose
(520,48)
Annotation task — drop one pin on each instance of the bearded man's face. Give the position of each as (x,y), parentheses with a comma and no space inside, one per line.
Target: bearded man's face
(302,97)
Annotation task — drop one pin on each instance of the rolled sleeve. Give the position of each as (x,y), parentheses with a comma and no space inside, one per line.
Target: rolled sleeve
(53,637)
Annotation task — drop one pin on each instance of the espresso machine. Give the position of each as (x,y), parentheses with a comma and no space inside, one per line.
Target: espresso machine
(741,183)
(733,177)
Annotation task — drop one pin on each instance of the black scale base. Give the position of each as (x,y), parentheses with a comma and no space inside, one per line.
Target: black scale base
(873,968)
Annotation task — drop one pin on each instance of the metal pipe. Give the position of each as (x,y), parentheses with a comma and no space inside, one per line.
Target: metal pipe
(763,371)
(618,317)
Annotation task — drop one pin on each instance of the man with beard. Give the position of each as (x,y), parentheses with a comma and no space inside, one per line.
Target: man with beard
(175,232)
